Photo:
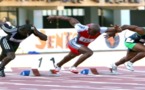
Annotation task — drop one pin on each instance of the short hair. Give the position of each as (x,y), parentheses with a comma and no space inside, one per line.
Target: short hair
(95,27)
(26,27)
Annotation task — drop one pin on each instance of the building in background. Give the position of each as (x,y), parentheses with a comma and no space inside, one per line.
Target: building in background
(105,16)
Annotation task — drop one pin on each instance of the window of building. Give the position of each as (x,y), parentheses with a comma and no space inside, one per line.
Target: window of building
(10,13)
(65,12)
(69,11)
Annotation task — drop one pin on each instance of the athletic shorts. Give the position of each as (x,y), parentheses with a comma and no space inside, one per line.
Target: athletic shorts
(8,46)
(130,45)
(73,46)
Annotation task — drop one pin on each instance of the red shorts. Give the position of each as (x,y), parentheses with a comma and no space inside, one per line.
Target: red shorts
(73,50)
(73,46)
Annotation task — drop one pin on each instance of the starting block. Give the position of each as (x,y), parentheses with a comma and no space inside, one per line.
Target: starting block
(32,72)
(35,72)
(90,71)
(25,73)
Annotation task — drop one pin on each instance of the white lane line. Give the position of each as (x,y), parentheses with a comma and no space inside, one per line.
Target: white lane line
(135,71)
(47,85)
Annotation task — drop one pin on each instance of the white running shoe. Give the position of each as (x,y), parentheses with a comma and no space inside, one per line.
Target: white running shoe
(57,69)
(73,70)
(129,66)
(113,68)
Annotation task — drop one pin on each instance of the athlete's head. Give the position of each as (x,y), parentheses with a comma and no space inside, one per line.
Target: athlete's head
(93,29)
(25,29)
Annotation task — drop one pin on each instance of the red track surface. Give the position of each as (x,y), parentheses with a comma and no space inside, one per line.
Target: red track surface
(125,80)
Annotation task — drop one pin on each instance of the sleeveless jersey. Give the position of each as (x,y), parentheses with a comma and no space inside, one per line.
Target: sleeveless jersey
(83,36)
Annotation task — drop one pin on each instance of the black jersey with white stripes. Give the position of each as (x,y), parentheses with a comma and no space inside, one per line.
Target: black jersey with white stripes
(13,34)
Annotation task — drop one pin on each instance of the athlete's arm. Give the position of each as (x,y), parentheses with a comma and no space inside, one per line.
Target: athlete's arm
(8,29)
(71,20)
(39,34)
(134,28)
(111,31)
(115,28)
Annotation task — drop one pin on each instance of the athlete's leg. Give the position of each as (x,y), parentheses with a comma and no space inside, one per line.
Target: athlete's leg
(140,48)
(141,54)
(77,49)
(86,53)
(130,54)
(67,58)
(8,49)
(10,56)
(5,60)
(2,56)
(73,46)
(134,55)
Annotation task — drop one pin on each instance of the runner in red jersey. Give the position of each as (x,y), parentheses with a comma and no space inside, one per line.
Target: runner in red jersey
(83,37)
(79,45)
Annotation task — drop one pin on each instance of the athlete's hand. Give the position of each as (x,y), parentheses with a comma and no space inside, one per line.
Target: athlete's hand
(118,28)
(106,36)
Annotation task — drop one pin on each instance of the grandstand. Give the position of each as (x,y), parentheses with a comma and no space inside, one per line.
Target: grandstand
(20,3)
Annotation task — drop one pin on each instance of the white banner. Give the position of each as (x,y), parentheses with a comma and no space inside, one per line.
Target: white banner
(58,38)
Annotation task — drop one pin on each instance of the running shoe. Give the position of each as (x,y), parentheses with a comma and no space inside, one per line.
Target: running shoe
(73,70)
(129,66)
(57,68)
(113,69)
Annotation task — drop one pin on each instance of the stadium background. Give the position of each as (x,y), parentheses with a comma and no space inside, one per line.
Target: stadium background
(106,13)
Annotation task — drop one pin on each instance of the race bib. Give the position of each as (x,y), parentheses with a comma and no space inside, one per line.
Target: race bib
(86,40)
(129,40)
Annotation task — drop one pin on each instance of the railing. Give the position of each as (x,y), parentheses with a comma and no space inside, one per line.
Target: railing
(48,3)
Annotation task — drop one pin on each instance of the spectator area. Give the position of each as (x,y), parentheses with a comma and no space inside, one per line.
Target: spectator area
(71,2)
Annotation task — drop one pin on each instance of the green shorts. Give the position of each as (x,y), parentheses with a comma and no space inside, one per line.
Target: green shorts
(129,45)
